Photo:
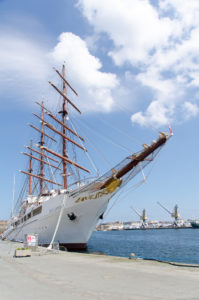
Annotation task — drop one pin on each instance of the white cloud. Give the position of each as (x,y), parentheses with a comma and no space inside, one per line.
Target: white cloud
(157,47)
(22,65)
(94,86)
(190,110)
(133,26)
(26,67)
(160,41)
(186,11)
(157,114)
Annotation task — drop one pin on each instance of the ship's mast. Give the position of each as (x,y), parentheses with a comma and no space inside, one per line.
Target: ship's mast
(136,159)
(30,168)
(47,116)
(64,115)
(46,113)
(42,144)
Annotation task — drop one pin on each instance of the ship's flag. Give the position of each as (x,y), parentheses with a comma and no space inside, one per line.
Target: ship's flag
(171,132)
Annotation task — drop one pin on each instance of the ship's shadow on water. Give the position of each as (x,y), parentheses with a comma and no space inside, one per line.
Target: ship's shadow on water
(179,245)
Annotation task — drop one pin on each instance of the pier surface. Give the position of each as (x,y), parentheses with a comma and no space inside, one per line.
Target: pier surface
(66,275)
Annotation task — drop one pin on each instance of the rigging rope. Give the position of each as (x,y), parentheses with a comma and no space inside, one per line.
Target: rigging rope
(119,130)
(89,157)
(106,138)
(134,187)
(99,152)
(129,113)
(51,169)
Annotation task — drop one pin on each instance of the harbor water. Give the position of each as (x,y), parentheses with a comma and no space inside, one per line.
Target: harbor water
(176,245)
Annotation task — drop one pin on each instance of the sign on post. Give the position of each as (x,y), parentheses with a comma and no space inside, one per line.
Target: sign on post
(31,240)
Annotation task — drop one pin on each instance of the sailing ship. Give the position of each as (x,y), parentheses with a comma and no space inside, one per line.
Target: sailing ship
(69,212)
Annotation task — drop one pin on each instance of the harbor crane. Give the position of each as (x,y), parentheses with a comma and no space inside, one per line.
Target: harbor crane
(143,216)
(173,214)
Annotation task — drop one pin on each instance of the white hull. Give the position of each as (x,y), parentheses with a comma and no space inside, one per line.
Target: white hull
(72,233)
(69,217)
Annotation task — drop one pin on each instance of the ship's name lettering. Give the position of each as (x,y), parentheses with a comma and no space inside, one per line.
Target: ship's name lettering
(90,197)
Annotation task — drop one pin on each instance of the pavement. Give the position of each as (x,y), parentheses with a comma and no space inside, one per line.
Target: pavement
(66,275)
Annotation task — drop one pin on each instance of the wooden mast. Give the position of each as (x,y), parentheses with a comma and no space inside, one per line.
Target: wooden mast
(65,158)
(63,132)
(48,113)
(41,156)
(64,114)
(41,178)
(64,79)
(60,133)
(30,168)
(44,162)
(42,133)
(136,159)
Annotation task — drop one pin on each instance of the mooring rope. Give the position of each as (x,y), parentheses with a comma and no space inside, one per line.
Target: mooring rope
(58,222)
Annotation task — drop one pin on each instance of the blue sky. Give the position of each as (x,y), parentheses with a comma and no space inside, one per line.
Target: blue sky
(135,65)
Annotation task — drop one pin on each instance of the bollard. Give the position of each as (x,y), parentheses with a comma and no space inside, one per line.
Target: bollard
(132,255)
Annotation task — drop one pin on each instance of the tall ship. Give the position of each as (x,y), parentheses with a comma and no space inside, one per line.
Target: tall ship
(57,201)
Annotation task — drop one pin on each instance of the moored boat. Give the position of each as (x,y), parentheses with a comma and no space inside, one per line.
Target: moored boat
(69,213)
(195,223)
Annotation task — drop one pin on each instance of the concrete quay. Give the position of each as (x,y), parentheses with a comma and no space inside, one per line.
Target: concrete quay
(66,275)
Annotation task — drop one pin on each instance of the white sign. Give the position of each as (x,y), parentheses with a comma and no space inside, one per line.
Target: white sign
(31,240)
